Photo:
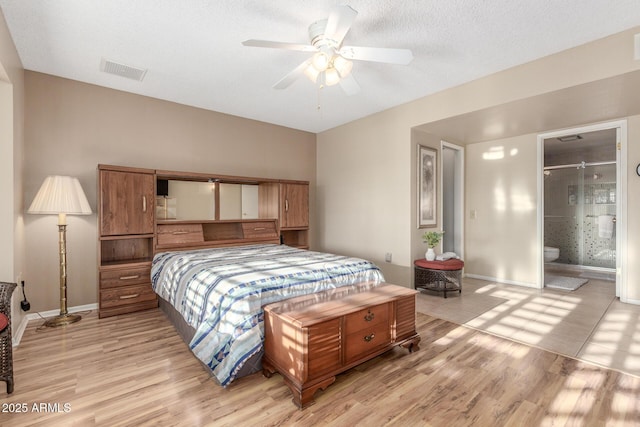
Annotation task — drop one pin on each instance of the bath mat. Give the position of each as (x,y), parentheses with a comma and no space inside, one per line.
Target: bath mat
(563,282)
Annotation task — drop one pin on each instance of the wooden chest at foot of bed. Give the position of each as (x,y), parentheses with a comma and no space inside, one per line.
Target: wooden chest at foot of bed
(311,339)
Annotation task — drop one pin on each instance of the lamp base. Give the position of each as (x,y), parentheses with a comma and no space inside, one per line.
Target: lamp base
(61,320)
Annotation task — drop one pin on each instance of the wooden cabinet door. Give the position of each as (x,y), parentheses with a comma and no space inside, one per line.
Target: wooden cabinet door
(127,203)
(294,199)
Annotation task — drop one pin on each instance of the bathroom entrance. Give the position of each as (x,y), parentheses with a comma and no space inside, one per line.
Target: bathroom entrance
(581,197)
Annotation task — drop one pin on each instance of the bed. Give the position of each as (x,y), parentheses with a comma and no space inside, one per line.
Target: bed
(215,296)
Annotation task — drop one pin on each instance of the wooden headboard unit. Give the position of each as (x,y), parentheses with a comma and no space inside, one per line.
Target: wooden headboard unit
(130,232)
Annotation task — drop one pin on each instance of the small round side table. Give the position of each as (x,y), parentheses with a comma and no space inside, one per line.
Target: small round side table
(439,276)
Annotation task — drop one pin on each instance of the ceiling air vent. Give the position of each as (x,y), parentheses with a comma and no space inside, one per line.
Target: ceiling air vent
(569,138)
(122,70)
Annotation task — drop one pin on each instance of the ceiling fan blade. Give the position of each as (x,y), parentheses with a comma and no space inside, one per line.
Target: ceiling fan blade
(339,23)
(349,85)
(377,54)
(279,45)
(293,75)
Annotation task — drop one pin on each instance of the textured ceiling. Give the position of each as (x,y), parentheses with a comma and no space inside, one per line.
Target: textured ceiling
(194,56)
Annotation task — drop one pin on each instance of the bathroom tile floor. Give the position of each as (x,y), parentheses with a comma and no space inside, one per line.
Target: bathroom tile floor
(590,323)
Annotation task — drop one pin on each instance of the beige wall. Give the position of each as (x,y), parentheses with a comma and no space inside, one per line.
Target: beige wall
(11,157)
(72,126)
(366,169)
(501,182)
(362,192)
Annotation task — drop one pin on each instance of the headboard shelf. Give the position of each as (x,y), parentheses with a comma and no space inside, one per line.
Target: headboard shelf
(211,221)
(201,234)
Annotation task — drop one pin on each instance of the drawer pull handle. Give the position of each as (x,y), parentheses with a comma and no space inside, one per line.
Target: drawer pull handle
(129,296)
(369,338)
(369,316)
(135,276)
(180,232)
(259,228)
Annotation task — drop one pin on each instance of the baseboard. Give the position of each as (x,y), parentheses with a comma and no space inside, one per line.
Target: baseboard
(505,281)
(17,334)
(630,301)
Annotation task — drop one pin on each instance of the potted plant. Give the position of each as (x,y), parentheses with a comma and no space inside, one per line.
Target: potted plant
(432,239)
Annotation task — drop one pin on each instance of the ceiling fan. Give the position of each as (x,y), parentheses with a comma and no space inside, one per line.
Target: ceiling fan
(331,62)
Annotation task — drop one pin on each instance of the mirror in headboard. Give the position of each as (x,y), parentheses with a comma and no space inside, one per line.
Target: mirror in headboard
(238,201)
(196,200)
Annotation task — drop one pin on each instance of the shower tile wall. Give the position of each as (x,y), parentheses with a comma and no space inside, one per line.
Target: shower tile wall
(572,211)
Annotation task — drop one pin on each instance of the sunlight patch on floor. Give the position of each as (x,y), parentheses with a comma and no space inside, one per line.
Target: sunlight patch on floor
(589,323)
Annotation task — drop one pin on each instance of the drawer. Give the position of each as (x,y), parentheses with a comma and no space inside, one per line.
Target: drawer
(170,234)
(259,229)
(114,297)
(367,318)
(125,277)
(366,341)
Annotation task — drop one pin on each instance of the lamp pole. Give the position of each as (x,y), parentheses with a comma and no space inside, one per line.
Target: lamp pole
(64,318)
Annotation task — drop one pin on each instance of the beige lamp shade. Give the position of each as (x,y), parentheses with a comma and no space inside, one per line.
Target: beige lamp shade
(60,195)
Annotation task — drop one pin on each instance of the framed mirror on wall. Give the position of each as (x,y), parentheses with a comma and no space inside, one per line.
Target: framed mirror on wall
(427,196)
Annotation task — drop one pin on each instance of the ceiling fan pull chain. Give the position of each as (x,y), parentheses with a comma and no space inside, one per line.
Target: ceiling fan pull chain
(319,106)
(320,87)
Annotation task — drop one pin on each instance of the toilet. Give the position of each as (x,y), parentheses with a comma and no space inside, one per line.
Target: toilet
(551,254)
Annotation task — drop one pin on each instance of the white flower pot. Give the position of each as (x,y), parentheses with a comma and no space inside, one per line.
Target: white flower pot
(430,255)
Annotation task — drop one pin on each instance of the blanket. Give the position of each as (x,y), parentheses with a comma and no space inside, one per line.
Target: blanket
(220,293)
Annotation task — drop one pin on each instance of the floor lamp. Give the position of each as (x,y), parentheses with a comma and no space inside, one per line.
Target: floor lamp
(61,195)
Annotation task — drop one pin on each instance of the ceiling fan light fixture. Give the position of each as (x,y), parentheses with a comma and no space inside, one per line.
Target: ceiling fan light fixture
(312,73)
(320,61)
(330,61)
(342,65)
(331,76)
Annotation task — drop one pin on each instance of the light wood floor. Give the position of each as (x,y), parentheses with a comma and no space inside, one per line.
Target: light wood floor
(134,370)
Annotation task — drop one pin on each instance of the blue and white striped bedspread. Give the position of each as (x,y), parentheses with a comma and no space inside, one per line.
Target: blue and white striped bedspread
(220,293)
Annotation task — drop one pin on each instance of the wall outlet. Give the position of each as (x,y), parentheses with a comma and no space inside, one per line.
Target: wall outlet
(473,214)
(19,278)
(387,257)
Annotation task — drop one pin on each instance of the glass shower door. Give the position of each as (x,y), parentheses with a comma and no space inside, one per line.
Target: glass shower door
(599,216)
(580,209)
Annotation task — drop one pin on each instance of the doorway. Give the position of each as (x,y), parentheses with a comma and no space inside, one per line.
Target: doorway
(581,223)
(452,190)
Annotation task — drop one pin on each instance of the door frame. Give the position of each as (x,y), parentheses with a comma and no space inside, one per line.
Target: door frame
(458,190)
(621,201)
